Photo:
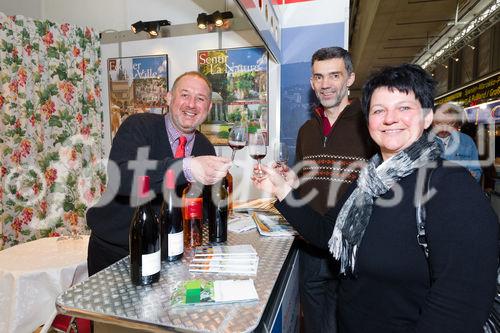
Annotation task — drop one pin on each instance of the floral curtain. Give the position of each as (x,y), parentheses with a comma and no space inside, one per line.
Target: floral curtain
(50,128)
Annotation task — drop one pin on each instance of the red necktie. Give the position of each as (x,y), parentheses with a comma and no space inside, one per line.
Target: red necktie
(181,149)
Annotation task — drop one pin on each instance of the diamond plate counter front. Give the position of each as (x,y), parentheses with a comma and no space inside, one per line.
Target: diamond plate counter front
(109,296)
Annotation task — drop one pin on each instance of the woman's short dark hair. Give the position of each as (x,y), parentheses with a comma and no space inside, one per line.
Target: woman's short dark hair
(405,78)
(333,52)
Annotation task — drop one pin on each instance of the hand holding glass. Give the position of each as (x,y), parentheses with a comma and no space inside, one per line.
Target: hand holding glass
(237,138)
(258,150)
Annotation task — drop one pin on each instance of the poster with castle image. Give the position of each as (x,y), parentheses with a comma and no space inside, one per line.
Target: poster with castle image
(136,84)
(239,80)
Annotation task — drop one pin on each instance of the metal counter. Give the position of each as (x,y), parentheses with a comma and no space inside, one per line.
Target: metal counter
(110,297)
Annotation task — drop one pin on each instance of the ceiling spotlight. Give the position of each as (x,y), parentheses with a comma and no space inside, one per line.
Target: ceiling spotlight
(216,18)
(225,16)
(137,27)
(202,20)
(151,27)
(456,59)
(471,46)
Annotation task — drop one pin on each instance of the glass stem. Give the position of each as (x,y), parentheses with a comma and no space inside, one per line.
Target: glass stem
(234,153)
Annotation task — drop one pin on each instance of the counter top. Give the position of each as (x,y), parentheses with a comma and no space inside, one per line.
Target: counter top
(110,297)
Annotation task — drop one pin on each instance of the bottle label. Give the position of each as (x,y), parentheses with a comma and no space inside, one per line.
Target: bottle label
(151,263)
(175,244)
(193,208)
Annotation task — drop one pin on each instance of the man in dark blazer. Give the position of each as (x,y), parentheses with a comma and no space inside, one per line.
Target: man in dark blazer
(150,144)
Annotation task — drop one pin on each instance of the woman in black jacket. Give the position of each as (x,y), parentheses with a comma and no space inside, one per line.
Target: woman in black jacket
(388,284)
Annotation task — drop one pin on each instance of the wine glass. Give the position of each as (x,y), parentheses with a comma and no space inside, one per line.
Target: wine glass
(237,138)
(258,150)
(281,156)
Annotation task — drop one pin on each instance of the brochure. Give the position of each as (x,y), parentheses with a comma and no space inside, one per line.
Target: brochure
(235,258)
(208,292)
(240,222)
(241,270)
(273,225)
(226,259)
(246,267)
(224,250)
(243,261)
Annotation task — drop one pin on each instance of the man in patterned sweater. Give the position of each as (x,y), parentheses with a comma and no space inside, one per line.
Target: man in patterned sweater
(331,148)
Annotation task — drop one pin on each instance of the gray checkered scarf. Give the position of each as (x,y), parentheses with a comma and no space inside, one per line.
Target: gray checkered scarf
(374,180)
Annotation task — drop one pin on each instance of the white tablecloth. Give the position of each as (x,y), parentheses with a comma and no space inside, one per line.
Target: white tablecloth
(32,275)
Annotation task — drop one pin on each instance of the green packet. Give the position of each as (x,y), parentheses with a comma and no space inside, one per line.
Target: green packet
(208,292)
(193,292)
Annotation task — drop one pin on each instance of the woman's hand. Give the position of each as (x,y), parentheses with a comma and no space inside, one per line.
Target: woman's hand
(288,174)
(273,182)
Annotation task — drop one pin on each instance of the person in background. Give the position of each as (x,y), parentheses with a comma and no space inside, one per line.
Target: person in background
(173,142)
(335,140)
(388,284)
(457,146)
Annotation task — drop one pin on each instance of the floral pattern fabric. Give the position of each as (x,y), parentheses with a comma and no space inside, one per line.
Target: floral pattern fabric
(51,127)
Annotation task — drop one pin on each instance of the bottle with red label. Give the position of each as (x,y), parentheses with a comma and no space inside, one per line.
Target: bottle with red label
(192,215)
(144,239)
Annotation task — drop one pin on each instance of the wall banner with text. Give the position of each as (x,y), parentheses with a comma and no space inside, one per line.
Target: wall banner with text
(239,80)
(136,84)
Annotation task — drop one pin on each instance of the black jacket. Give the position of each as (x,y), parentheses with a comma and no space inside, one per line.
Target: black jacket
(111,221)
(394,290)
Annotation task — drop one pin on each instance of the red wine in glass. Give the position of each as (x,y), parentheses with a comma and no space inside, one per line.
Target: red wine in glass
(281,156)
(258,150)
(237,138)
(236,145)
(257,156)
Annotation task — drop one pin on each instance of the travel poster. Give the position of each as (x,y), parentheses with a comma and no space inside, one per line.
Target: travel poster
(136,84)
(239,80)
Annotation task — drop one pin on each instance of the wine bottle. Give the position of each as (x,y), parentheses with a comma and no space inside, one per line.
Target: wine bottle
(217,221)
(207,199)
(228,181)
(144,239)
(172,238)
(192,215)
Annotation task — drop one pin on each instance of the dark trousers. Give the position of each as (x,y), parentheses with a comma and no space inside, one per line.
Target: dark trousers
(102,254)
(318,283)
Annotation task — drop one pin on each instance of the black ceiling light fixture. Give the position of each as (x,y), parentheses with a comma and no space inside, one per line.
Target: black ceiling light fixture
(151,27)
(137,27)
(202,21)
(217,19)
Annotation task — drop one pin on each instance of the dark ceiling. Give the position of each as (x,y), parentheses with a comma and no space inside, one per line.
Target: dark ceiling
(391,32)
